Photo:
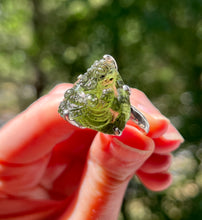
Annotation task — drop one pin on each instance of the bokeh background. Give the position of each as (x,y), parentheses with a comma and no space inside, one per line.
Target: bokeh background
(158,47)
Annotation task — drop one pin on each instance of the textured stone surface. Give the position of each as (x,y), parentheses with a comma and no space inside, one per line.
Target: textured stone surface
(99,99)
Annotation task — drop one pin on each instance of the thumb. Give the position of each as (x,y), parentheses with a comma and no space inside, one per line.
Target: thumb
(111,163)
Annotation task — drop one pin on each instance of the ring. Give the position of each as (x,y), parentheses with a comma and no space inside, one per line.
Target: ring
(100,100)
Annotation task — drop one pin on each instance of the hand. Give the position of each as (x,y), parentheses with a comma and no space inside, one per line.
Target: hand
(50,169)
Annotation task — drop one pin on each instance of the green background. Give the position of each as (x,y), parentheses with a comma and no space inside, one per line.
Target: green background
(158,48)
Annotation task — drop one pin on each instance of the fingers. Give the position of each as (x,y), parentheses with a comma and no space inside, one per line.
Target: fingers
(153,173)
(33,133)
(155,181)
(111,163)
(169,141)
(157,163)
(15,178)
(67,162)
(21,209)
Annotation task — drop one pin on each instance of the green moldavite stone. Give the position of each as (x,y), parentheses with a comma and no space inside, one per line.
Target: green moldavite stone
(99,99)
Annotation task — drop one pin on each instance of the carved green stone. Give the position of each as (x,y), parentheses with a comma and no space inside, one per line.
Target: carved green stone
(99,99)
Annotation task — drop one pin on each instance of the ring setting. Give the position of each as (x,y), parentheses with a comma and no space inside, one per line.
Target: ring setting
(100,100)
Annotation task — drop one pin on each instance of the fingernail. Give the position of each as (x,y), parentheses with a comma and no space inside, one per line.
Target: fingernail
(128,153)
(134,138)
(132,144)
(160,117)
(173,134)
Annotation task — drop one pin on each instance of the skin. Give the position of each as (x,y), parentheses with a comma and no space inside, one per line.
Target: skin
(50,169)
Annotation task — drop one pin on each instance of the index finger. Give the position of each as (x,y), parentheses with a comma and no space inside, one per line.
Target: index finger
(33,133)
(158,123)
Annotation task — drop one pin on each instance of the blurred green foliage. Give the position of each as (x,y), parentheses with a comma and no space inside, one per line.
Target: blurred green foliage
(158,48)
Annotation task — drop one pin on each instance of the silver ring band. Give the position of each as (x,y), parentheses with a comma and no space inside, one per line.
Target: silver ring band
(138,118)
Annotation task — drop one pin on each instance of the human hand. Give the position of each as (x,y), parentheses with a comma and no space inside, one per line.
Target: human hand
(50,169)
